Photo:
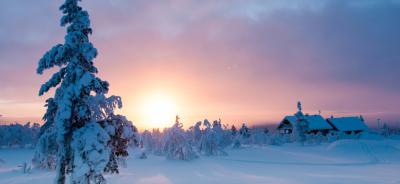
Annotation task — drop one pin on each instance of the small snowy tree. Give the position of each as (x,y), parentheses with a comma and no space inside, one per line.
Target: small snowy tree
(176,145)
(211,139)
(83,144)
(234,130)
(278,139)
(385,130)
(244,134)
(46,150)
(158,141)
(197,133)
(148,142)
(46,147)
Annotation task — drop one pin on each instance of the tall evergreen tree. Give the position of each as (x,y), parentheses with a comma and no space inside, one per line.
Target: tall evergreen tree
(85,144)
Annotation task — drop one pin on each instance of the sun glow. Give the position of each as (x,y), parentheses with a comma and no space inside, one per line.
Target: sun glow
(158,111)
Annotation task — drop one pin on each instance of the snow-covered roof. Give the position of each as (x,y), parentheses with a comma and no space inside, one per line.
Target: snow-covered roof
(314,122)
(348,123)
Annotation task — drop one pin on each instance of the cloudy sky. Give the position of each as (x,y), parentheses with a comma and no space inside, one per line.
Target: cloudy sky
(241,60)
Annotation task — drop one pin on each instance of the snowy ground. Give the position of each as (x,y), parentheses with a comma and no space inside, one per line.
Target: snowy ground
(345,161)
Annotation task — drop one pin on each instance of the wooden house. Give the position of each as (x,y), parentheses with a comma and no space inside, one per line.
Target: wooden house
(348,125)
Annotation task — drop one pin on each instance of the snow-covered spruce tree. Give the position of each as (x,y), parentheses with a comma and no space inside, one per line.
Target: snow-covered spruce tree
(158,141)
(210,141)
(224,136)
(148,142)
(244,134)
(177,145)
(84,148)
(46,147)
(197,133)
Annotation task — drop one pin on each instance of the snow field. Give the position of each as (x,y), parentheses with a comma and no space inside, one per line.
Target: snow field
(344,161)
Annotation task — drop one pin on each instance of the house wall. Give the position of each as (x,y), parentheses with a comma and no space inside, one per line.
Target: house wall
(285,127)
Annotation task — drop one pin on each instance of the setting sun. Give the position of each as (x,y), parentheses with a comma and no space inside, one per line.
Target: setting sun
(158,110)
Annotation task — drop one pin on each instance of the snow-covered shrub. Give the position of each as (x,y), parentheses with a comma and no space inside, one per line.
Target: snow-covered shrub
(143,155)
(277,139)
(176,145)
(236,143)
(351,135)
(319,138)
(332,136)
(25,168)
(316,138)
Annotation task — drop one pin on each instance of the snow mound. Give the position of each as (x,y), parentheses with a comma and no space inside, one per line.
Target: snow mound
(395,137)
(372,150)
(370,136)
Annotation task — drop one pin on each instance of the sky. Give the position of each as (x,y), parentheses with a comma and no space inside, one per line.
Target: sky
(238,60)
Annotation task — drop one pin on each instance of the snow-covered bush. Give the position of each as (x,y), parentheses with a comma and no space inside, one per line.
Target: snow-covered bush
(332,136)
(278,139)
(236,142)
(176,146)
